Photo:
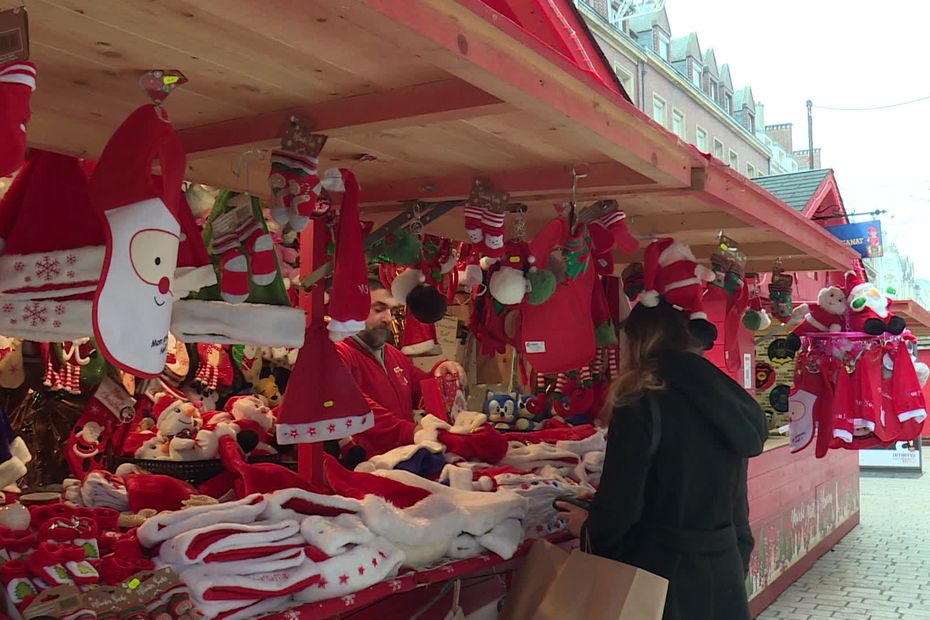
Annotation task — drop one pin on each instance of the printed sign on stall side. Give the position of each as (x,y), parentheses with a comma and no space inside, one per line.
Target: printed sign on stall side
(863,237)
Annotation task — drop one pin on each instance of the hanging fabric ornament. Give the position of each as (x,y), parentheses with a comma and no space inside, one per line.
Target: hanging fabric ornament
(108,408)
(132,306)
(729,265)
(17,82)
(215,368)
(294,180)
(755,319)
(245,250)
(780,293)
(419,338)
(350,300)
(12,374)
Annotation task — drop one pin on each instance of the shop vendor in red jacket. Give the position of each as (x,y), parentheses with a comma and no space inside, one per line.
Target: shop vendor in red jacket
(387,377)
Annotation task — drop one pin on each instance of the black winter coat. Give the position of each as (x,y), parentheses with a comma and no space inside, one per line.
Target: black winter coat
(683,513)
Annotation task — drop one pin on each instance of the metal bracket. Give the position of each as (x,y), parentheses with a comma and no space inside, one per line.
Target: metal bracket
(429,212)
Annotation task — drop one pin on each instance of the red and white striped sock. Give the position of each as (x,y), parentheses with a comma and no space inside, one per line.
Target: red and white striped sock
(234,277)
(616,223)
(613,362)
(493,226)
(474,227)
(561,384)
(260,246)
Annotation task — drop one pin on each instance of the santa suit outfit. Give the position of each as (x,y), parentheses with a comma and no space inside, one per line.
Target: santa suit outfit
(391,385)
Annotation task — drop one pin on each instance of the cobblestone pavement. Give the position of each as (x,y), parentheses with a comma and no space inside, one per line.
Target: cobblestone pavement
(881,569)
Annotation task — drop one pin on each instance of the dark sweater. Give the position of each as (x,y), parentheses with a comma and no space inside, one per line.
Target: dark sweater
(683,513)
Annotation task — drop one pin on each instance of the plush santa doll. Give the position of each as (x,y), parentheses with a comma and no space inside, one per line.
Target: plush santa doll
(246,413)
(869,308)
(671,272)
(827,315)
(180,433)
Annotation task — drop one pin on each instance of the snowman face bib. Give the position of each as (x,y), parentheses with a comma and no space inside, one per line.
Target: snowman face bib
(132,308)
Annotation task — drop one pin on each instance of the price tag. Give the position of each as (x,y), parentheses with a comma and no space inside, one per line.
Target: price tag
(14,35)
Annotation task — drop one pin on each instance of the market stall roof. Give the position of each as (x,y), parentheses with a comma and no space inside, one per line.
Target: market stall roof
(418,97)
(917,317)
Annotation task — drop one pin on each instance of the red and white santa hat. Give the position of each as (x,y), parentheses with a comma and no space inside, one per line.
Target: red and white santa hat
(350,299)
(651,269)
(322,400)
(52,249)
(853,279)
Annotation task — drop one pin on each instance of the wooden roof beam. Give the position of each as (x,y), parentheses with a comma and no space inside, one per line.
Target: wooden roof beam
(423,104)
(555,180)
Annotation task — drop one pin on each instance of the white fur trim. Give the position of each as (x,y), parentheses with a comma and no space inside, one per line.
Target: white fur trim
(191,279)
(464,546)
(698,316)
(817,324)
(20,451)
(290,555)
(596,442)
(276,511)
(846,436)
(46,320)
(236,536)
(37,273)
(914,414)
(324,430)
(404,283)
(167,525)
(675,252)
(457,477)
(650,299)
(671,286)
(392,458)
(503,539)
(363,566)
(508,286)
(424,531)
(11,470)
(333,181)
(482,511)
(340,330)
(427,347)
(219,322)
(333,536)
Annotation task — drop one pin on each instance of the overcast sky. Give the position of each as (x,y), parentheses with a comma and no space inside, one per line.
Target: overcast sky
(838,53)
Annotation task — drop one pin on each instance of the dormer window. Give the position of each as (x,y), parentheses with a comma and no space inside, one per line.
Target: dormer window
(751,122)
(713,90)
(696,70)
(662,44)
(728,103)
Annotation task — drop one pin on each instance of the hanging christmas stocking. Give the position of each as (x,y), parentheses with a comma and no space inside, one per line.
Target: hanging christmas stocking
(419,338)
(87,446)
(907,410)
(11,363)
(846,420)
(214,368)
(615,224)
(17,81)
(493,231)
(134,298)
(866,384)
(295,188)
(230,232)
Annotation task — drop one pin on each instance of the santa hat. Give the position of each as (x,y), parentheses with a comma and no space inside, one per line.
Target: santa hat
(350,300)
(322,400)
(53,249)
(17,82)
(157,492)
(854,278)
(650,296)
(166,525)
(419,338)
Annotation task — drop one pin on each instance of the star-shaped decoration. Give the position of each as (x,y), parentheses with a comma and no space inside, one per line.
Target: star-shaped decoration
(311,431)
(332,428)
(294,432)
(344,579)
(322,583)
(365,420)
(348,423)
(382,554)
(361,570)
(374,561)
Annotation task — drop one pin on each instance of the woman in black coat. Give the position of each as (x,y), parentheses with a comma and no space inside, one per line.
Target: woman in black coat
(672,498)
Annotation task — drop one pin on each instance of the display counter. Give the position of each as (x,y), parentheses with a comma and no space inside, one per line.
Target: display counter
(799,507)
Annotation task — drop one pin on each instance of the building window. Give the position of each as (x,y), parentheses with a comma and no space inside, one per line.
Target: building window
(751,171)
(718,149)
(700,139)
(734,160)
(662,45)
(696,70)
(678,123)
(728,103)
(713,90)
(659,110)
(751,123)
(626,80)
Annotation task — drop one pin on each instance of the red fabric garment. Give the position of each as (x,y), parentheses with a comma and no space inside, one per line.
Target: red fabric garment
(823,410)
(867,385)
(357,485)
(486,445)
(392,391)
(904,406)
(157,492)
(552,435)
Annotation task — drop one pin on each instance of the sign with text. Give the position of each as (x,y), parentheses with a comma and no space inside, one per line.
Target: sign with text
(904,455)
(863,237)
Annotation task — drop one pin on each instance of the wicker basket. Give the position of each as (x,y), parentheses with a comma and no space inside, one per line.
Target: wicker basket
(195,472)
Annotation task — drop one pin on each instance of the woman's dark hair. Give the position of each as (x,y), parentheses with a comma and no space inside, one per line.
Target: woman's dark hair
(650,334)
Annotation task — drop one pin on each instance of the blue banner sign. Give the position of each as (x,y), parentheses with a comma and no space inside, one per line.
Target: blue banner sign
(863,237)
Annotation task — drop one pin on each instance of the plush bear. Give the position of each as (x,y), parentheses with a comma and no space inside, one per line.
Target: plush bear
(825,316)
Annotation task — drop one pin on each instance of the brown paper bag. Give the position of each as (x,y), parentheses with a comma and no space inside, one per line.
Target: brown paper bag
(590,587)
(542,566)
(555,585)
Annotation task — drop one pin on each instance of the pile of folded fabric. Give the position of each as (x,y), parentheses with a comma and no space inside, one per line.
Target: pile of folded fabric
(67,545)
(100,489)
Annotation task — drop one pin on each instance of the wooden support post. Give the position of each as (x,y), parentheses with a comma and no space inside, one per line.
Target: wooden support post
(313,242)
